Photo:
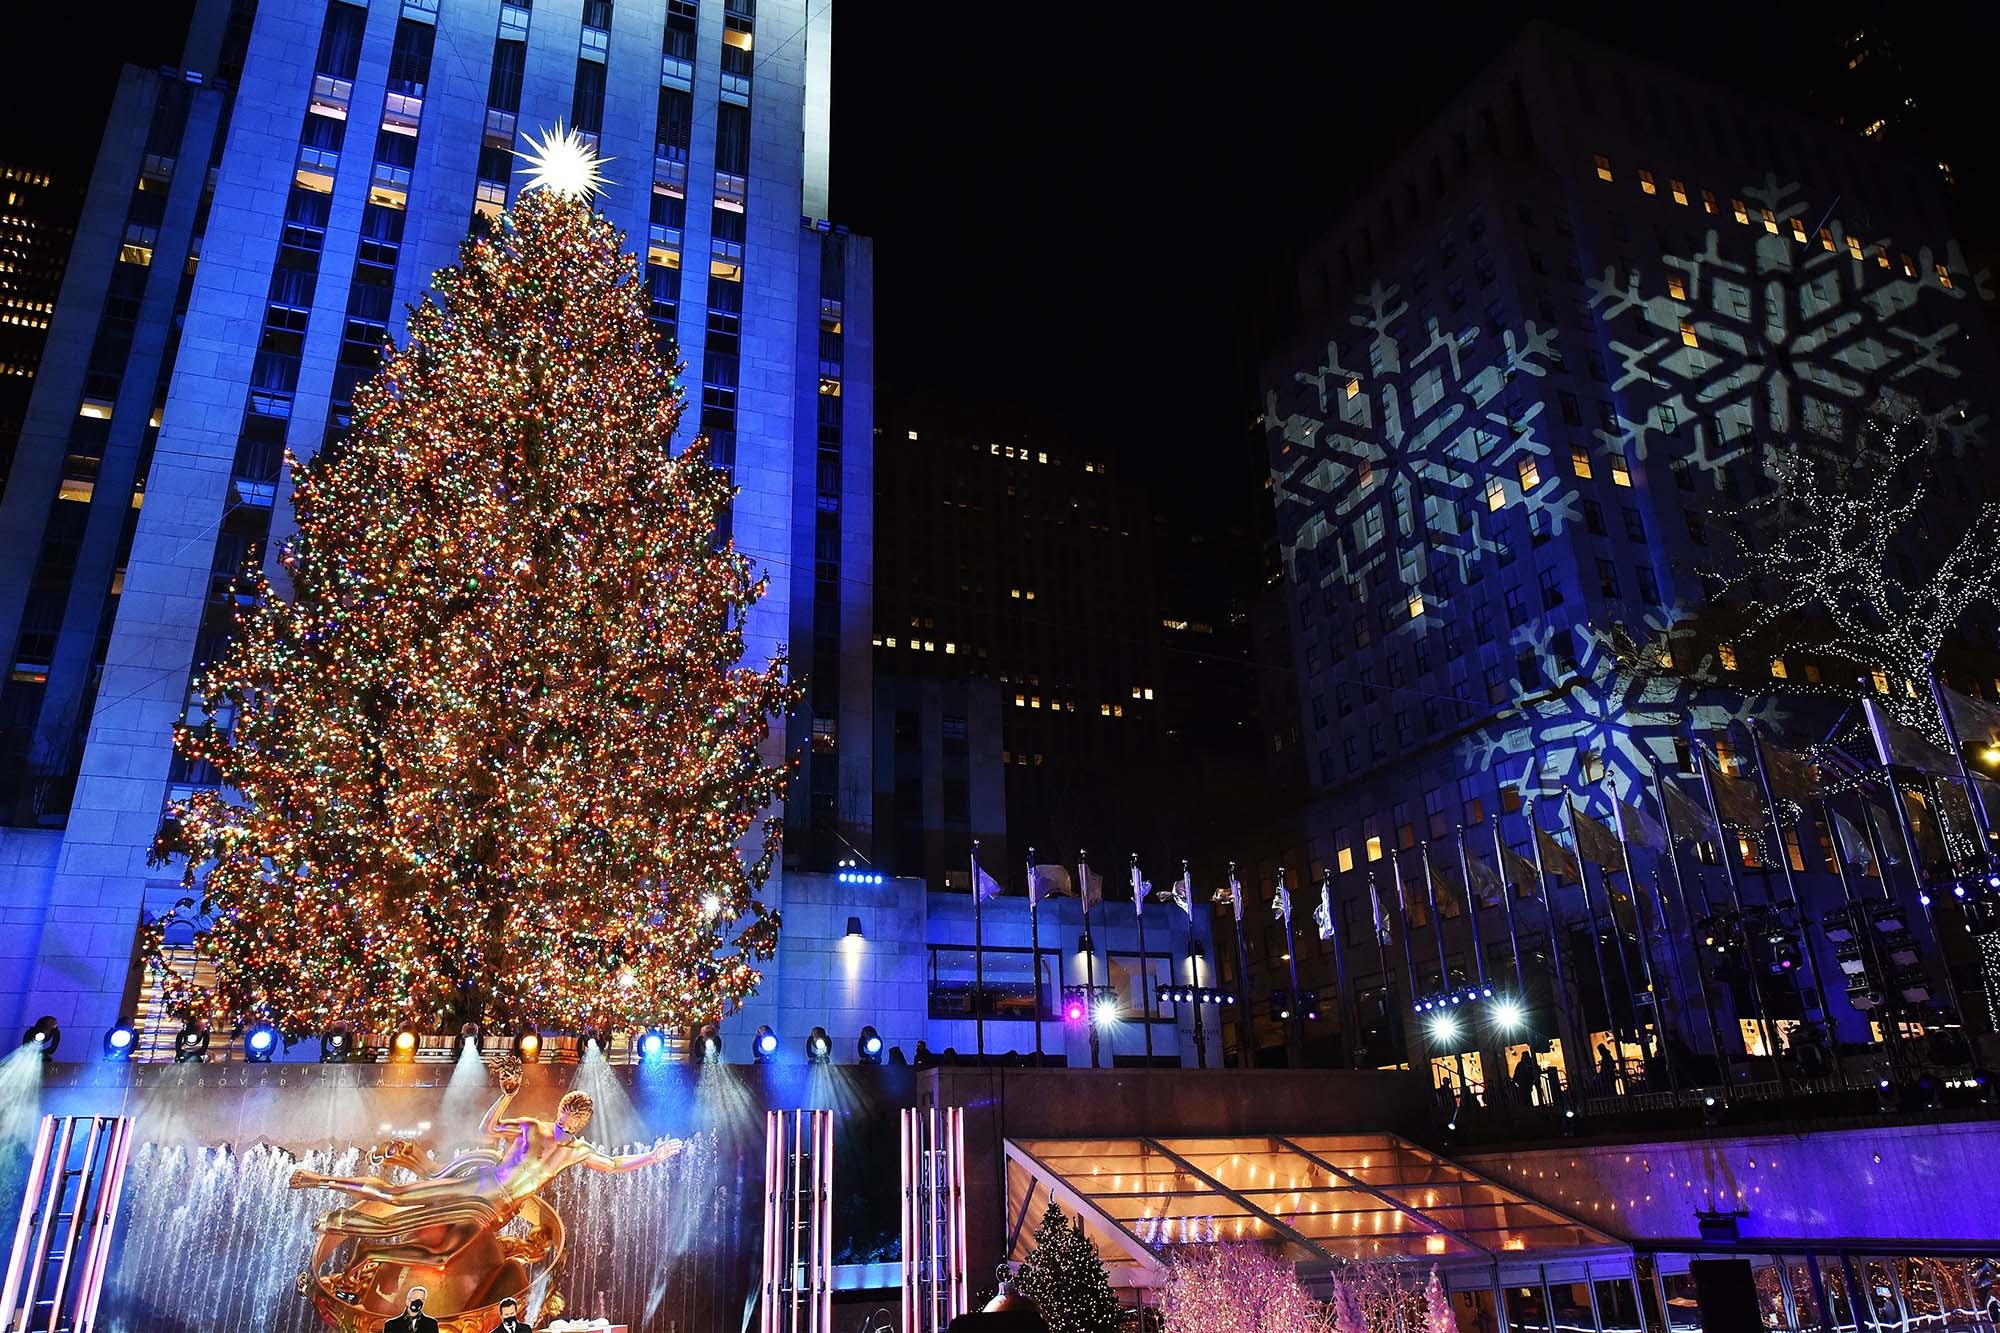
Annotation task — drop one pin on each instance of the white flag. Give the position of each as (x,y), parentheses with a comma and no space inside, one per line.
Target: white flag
(1183,892)
(1091,885)
(1323,914)
(983,884)
(1383,931)
(1141,890)
(1281,903)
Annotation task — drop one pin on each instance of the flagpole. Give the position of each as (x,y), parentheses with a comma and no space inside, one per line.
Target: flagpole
(1035,953)
(1645,941)
(978,961)
(1507,908)
(1982,818)
(1409,955)
(1145,978)
(1725,854)
(1596,940)
(1390,1004)
(1791,883)
(1917,877)
(1089,955)
(1472,905)
(1246,1025)
(1292,960)
(1437,917)
(1564,1021)
(1680,895)
(1340,1005)
(1194,969)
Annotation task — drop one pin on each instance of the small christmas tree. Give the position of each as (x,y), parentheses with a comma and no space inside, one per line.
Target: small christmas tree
(1065,1278)
(1438,1317)
(497,754)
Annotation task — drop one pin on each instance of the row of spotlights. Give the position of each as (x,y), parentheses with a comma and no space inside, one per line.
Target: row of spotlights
(862,877)
(1470,995)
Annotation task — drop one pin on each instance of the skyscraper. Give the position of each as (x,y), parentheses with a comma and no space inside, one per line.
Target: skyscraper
(258,222)
(37,223)
(1535,360)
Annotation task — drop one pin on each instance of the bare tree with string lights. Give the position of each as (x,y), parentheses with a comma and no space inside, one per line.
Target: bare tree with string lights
(1843,559)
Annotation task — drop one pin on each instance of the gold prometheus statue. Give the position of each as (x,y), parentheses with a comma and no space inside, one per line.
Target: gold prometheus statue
(444,1231)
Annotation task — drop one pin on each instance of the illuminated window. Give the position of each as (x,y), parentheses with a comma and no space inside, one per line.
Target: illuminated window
(1799,230)
(1680,193)
(1826,239)
(1020,701)
(1944,276)
(1708,201)
(1880,681)
(1353,387)
(1014,593)
(1881,256)
(1646,183)
(1104,710)
(1416,605)
(1030,594)
(1496,493)
(1677,287)
(1531,473)
(1688,338)
(1742,213)
(1135,691)
(1365,474)
(891,641)
(1149,693)
(1035,702)
(1621,474)
(950,649)
(1778,671)
(1345,859)
(1603,174)
(1853,248)
(1770,220)
(1375,848)
(1041,457)
(1909,269)
(1579,461)
(1118,710)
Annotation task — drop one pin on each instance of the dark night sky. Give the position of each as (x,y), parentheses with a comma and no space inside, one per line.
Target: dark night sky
(1084,216)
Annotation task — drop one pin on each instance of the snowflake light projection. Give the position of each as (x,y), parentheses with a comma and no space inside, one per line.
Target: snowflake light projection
(1611,701)
(1389,461)
(1800,332)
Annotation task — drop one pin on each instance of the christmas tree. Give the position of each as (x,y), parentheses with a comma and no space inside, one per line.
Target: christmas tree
(496,756)
(1066,1279)
(1438,1316)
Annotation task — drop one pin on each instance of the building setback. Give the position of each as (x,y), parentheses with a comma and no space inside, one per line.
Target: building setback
(1534,361)
(258,221)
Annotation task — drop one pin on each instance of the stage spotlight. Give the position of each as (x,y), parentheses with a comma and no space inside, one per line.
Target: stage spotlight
(1105,1012)
(1508,1014)
(1711,1109)
(600,1037)
(869,1048)
(765,1045)
(528,1045)
(652,1044)
(336,1045)
(708,1048)
(403,1049)
(191,1047)
(819,1047)
(468,1035)
(120,1040)
(44,1036)
(258,1044)
(1073,1011)
(1444,1028)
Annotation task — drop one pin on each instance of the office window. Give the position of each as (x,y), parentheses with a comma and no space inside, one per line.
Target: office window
(1517,609)
(1688,336)
(1607,578)
(1726,654)
(1603,166)
(1496,493)
(1552,593)
(1680,193)
(1482,623)
(1826,239)
(1649,590)
(1943,276)
(1742,213)
(1579,461)
(1677,287)
(1621,475)
(1531,473)
(1799,230)
(1593,518)
(1708,201)
(1635,526)
(1770,220)
(1668,420)
(1778,671)
(1497,688)
(1854,249)
(1646,183)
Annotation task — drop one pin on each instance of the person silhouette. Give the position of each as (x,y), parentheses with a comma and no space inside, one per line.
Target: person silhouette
(510,1318)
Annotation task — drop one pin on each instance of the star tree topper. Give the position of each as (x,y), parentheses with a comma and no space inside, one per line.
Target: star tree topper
(564,162)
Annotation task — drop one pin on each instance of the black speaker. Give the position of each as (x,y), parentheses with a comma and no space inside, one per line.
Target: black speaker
(1726,1294)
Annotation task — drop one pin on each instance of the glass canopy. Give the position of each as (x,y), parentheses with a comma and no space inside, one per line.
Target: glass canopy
(1317,1199)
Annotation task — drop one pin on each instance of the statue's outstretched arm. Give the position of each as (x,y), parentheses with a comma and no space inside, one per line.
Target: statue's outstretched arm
(496,1125)
(366,1187)
(658,1153)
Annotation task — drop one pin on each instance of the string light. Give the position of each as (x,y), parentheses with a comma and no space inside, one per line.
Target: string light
(495,755)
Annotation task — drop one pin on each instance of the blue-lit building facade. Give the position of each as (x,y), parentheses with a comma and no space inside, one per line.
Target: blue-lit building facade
(260,218)
(1534,372)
